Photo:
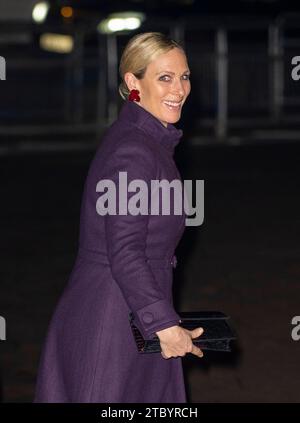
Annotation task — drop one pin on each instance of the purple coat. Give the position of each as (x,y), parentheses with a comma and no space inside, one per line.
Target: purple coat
(124,263)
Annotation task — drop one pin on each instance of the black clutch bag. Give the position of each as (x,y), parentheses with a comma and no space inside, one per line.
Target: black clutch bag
(216,336)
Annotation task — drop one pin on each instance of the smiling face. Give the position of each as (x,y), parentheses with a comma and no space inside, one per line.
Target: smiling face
(164,87)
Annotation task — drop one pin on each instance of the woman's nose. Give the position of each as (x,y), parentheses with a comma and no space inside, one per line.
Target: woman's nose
(178,87)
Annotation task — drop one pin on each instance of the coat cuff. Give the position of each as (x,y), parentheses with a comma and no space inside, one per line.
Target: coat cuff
(154,317)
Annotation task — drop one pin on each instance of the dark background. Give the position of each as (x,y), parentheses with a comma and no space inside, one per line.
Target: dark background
(241,135)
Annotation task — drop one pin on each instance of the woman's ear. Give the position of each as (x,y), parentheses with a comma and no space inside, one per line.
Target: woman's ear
(130,80)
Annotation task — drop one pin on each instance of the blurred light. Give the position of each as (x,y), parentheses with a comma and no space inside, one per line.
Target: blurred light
(132,23)
(57,43)
(116,24)
(66,11)
(122,21)
(40,11)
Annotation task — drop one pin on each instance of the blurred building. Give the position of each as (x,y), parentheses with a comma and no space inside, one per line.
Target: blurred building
(61,70)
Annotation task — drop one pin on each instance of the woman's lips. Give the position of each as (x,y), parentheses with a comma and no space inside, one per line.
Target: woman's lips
(173,105)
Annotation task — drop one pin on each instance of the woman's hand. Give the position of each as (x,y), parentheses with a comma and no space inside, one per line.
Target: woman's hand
(177,341)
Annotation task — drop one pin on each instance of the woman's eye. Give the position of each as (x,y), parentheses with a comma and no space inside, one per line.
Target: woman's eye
(167,78)
(163,78)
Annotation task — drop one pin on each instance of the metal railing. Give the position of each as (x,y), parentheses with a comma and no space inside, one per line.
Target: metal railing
(241,79)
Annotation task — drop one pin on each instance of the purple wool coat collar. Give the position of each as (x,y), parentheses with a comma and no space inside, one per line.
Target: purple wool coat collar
(168,137)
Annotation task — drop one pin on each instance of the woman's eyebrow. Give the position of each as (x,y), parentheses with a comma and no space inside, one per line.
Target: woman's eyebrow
(173,73)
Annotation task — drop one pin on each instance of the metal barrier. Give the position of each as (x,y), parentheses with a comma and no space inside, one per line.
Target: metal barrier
(241,79)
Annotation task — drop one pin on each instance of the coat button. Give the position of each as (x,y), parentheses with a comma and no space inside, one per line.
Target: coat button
(147,317)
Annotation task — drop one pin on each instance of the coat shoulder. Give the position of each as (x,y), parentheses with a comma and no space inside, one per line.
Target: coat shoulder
(127,135)
(123,138)
(126,146)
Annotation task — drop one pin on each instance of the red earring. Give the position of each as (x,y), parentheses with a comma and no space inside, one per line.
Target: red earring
(134,95)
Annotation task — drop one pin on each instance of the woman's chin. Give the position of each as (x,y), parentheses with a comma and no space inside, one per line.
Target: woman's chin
(174,120)
(171,119)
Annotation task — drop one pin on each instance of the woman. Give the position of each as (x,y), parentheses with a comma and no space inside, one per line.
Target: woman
(125,260)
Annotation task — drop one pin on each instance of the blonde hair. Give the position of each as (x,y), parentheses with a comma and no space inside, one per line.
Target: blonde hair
(139,52)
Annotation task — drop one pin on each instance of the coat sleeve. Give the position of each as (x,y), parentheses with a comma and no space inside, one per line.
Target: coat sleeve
(126,243)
